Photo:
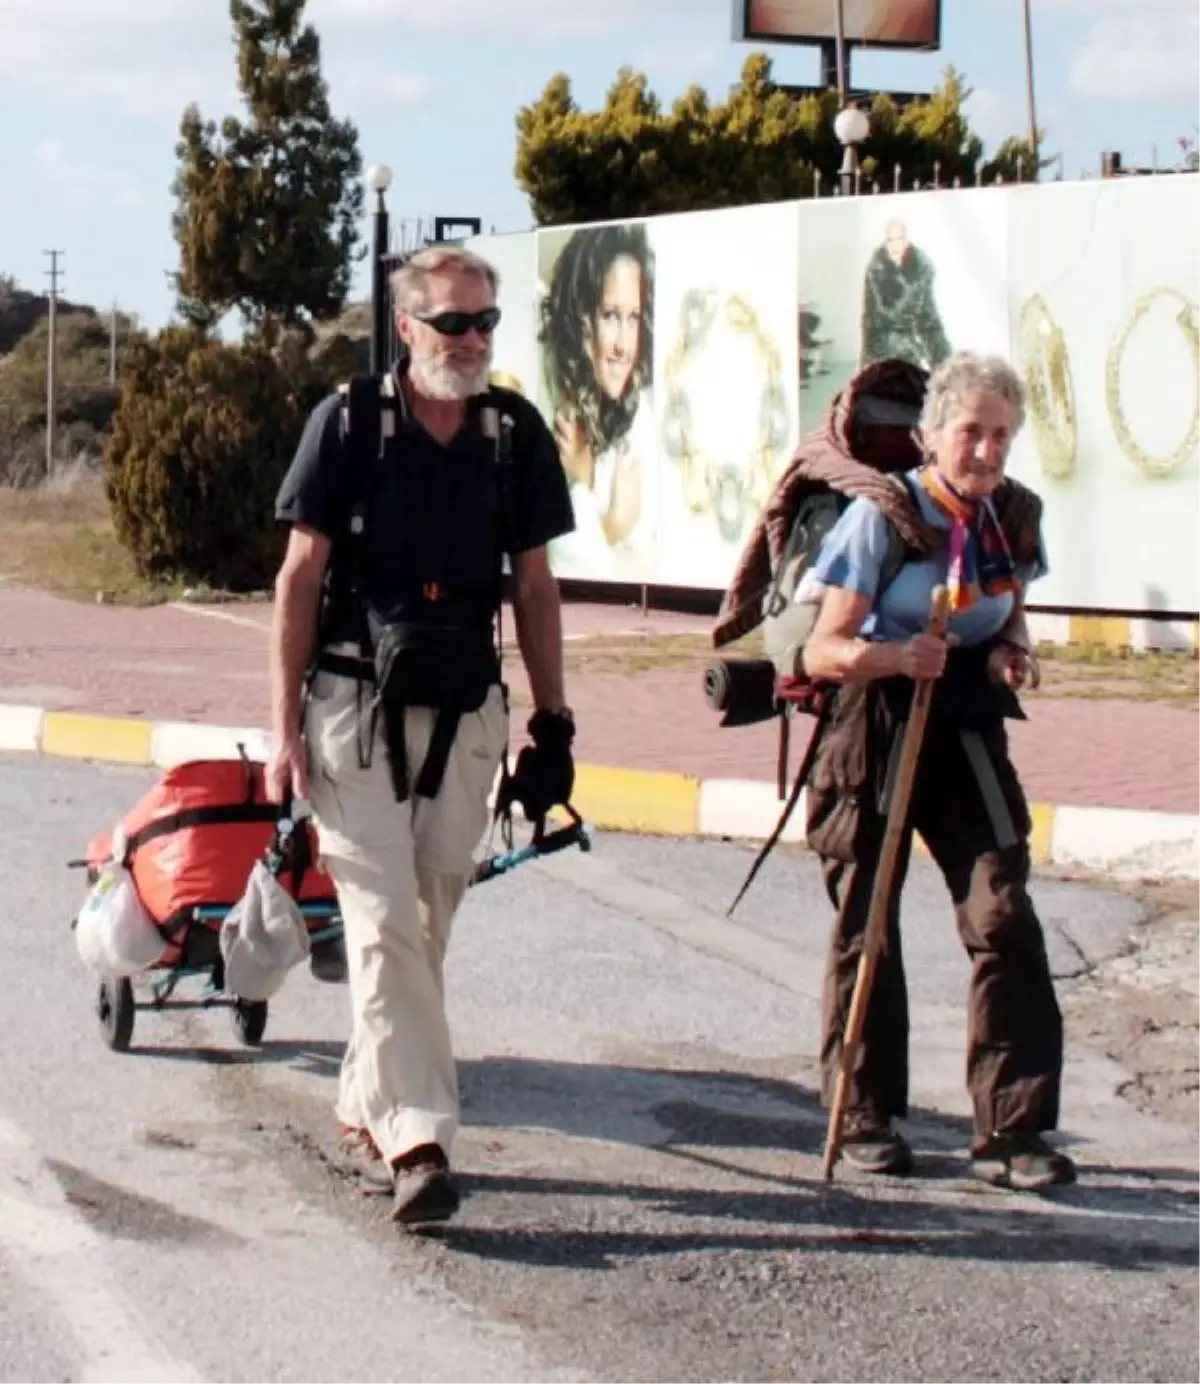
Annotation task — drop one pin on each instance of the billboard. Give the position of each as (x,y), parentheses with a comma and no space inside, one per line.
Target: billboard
(678,359)
(877,23)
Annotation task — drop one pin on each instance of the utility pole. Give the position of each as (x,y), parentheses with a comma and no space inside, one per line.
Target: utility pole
(112,347)
(1033,129)
(51,360)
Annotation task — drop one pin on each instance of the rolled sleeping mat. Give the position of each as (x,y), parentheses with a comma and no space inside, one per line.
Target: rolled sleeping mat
(742,688)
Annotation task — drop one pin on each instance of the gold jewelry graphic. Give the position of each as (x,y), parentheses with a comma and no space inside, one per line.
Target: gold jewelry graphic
(1049,389)
(725,488)
(1185,319)
(503,380)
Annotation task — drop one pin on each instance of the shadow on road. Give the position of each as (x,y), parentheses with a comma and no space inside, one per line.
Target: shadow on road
(320,1058)
(1128,1217)
(722,1127)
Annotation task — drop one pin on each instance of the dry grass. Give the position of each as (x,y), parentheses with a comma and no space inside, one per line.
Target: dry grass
(58,537)
(1098,674)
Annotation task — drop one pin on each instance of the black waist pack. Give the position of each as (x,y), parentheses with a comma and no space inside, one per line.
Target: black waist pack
(445,667)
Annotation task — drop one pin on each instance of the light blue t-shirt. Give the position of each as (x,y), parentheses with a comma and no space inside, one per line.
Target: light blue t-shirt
(853,555)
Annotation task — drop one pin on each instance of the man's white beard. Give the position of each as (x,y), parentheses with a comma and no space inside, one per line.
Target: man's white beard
(448,382)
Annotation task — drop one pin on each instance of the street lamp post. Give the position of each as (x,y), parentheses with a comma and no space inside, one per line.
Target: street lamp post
(851,128)
(379,179)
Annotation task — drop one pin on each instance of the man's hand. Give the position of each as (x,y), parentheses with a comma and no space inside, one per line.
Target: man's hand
(1014,666)
(544,776)
(287,770)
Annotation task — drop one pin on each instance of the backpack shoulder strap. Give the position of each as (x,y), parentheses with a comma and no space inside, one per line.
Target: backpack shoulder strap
(366,424)
(898,551)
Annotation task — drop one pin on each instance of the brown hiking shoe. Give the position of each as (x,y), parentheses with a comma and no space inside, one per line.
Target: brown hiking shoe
(363,1156)
(1020,1159)
(424,1190)
(872,1146)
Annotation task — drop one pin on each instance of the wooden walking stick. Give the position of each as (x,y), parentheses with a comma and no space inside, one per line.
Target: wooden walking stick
(877,916)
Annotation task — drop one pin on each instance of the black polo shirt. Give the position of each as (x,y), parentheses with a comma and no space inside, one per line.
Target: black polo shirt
(432,510)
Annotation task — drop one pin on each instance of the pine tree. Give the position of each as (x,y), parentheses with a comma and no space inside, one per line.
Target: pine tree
(268,207)
(633,158)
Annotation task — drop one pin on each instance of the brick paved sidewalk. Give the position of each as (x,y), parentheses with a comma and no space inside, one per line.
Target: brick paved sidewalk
(209,664)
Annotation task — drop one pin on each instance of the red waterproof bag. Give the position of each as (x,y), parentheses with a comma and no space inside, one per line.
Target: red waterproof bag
(193,839)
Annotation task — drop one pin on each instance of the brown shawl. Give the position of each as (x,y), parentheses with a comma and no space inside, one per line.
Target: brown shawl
(844,455)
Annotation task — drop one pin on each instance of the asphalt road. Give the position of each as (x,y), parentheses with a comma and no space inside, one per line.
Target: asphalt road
(641,1155)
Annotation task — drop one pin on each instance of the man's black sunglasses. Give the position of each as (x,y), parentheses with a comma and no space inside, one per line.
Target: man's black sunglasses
(460,323)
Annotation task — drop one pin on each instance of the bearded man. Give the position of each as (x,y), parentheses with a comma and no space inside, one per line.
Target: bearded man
(389,711)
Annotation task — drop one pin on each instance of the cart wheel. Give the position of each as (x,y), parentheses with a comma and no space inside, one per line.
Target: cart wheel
(250,1021)
(115,1009)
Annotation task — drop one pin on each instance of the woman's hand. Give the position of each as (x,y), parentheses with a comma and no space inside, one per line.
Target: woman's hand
(576,455)
(923,657)
(625,506)
(1014,666)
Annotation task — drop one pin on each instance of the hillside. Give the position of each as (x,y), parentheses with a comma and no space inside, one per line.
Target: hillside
(21,311)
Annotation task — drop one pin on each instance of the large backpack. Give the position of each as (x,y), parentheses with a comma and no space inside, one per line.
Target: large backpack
(870,429)
(370,405)
(787,622)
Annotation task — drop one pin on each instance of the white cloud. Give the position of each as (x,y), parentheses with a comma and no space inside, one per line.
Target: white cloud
(1095,8)
(1148,56)
(146,60)
(545,18)
(149,58)
(378,85)
(677,59)
(993,116)
(55,176)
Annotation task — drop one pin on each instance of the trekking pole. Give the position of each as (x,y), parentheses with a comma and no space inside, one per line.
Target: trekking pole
(877,916)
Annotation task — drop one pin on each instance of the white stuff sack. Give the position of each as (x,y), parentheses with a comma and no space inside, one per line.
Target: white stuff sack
(262,938)
(114,934)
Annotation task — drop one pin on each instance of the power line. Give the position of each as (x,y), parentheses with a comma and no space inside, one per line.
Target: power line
(51,358)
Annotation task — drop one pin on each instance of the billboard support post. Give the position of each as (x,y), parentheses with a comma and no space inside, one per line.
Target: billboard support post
(843,75)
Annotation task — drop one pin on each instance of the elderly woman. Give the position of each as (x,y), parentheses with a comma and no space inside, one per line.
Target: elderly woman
(870,637)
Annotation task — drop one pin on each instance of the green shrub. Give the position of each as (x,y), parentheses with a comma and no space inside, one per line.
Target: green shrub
(203,433)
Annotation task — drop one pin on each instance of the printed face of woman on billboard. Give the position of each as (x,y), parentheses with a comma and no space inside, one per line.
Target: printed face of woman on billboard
(597,330)
(614,335)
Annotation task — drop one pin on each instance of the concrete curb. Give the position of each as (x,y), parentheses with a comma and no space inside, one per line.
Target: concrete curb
(1114,841)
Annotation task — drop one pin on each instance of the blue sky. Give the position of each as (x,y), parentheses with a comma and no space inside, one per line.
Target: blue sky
(96,88)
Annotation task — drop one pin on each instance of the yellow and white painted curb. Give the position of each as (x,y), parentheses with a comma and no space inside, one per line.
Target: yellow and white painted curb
(1115,632)
(1105,839)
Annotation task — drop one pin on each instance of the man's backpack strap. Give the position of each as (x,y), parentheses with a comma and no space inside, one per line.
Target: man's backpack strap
(498,424)
(363,437)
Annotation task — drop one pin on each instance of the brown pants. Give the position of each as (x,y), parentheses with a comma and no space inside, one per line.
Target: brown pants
(977,833)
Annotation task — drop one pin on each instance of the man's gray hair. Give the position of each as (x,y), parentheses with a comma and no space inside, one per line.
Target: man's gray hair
(965,373)
(410,282)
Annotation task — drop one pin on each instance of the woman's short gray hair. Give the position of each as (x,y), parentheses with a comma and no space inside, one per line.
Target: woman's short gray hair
(965,373)
(410,281)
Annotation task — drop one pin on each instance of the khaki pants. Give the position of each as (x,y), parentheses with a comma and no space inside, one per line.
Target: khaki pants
(400,870)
